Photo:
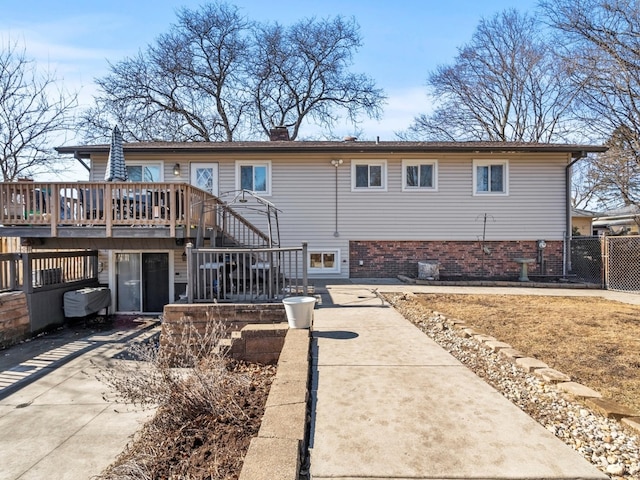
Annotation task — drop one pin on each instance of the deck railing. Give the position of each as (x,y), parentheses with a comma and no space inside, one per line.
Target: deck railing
(36,271)
(117,204)
(238,231)
(10,272)
(246,274)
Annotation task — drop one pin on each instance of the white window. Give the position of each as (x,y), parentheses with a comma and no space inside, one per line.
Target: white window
(254,176)
(368,175)
(490,177)
(324,261)
(144,172)
(419,175)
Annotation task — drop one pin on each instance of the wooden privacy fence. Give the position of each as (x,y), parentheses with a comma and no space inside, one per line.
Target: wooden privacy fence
(9,244)
(37,271)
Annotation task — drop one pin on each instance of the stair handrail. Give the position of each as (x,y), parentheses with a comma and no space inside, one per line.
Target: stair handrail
(211,203)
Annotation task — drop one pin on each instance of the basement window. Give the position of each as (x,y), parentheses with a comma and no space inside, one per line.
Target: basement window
(324,261)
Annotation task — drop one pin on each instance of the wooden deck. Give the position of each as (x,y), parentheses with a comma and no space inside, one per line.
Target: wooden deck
(117,210)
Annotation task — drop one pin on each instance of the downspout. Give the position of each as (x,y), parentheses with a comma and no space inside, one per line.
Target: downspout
(566,264)
(336,164)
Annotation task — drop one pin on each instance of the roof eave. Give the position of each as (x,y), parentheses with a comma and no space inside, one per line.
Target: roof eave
(337,147)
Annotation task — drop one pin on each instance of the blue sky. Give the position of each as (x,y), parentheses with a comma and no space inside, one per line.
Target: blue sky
(403,40)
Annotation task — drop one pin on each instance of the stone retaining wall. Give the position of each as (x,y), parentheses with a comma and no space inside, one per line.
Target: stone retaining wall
(14,318)
(199,318)
(257,332)
(278,450)
(260,343)
(235,316)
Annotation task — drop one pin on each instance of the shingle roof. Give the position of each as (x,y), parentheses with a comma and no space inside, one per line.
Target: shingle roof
(335,147)
(629,210)
(577,212)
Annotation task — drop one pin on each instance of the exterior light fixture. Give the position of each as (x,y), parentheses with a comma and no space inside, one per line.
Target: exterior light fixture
(336,163)
(176,169)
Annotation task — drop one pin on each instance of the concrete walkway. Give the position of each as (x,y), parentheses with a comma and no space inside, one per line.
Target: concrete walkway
(388,402)
(54,422)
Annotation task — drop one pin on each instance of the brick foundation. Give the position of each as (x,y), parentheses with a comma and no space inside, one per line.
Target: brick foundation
(458,259)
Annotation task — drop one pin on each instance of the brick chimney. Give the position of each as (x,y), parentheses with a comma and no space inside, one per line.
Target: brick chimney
(279,134)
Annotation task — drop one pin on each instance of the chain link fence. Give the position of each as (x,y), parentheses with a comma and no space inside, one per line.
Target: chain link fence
(622,263)
(609,261)
(586,259)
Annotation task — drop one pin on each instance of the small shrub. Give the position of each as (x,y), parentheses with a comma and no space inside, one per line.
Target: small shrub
(208,406)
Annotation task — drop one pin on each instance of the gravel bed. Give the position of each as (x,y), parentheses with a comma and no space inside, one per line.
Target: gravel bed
(606,443)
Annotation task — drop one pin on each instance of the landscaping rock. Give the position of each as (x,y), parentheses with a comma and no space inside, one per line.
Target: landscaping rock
(530,364)
(609,408)
(551,375)
(497,346)
(578,390)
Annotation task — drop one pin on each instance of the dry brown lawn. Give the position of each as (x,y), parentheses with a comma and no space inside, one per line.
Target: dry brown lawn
(595,341)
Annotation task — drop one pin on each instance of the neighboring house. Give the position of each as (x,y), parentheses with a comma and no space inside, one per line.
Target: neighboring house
(366,209)
(620,221)
(581,222)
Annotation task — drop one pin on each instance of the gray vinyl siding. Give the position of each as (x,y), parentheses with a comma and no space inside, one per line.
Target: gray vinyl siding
(308,206)
(303,188)
(533,207)
(535,203)
(99,166)
(305,192)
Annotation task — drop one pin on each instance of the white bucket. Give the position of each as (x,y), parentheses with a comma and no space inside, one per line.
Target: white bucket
(299,311)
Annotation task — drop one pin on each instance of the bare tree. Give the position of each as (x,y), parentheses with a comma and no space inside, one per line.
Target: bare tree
(601,40)
(189,86)
(583,188)
(33,111)
(216,76)
(504,85)
(611,179)
(303,71)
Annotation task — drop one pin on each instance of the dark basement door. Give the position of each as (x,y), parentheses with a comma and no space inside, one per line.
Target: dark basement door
(142,282)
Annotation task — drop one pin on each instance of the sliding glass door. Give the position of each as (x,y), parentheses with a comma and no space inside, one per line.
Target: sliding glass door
(142,282)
